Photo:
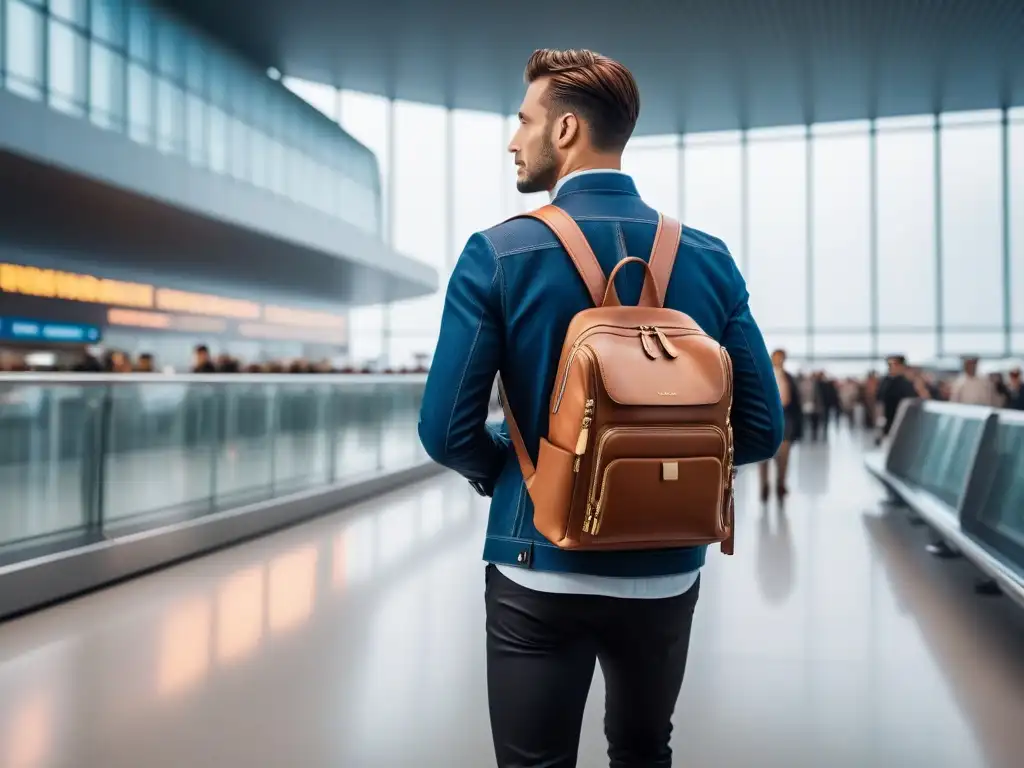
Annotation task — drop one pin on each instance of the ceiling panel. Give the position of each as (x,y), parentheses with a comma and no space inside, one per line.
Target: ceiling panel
(701,64)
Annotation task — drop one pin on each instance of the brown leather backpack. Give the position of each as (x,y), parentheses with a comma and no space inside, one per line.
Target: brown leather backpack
(639,452)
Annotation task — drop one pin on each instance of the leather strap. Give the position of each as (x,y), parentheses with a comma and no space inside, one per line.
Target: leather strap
(575,244)
(663,257)
(525,464)
(601,289)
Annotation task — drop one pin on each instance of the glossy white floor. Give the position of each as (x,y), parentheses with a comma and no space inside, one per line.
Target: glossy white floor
(830,640)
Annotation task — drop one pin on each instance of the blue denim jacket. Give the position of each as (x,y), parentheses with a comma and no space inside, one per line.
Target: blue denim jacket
(509,303)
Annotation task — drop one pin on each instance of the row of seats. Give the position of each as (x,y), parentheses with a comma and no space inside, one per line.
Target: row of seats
(961,469)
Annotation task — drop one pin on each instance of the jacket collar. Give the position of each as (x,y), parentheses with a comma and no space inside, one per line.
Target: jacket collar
(596,180)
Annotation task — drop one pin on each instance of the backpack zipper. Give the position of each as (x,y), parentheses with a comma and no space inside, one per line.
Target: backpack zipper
(642,328)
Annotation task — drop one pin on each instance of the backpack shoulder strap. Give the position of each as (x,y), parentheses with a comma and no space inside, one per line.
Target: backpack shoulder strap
(663,256)
(575,244)
(582,256)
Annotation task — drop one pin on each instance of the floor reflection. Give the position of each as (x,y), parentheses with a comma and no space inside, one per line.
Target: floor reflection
(357,640)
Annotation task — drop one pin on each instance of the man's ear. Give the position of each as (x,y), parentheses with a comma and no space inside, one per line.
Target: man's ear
(567,130)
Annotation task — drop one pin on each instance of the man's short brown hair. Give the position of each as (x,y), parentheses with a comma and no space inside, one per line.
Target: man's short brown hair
(600,90)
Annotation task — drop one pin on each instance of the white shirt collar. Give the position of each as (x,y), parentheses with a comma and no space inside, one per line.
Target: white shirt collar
(574,174)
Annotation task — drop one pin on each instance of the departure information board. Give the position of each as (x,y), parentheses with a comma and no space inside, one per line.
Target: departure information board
(24,329)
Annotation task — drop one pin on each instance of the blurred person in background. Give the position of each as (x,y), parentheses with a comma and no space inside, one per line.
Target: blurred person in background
(789,392)
(201,360)
(849,394)
(145,364)
(971,389)
(116,361)
(869,399)
(896,387)
(1002,391)
(1014,391)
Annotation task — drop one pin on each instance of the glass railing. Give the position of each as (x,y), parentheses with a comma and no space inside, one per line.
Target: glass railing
(91,457)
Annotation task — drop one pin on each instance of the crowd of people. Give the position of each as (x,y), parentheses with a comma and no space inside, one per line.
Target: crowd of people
(813,401)
(203,361)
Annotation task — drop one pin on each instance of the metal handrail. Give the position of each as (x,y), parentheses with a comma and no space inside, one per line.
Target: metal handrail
(78,378)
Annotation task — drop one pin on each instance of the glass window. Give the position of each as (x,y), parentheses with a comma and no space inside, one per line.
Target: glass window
(366,324)
(906,230)
(108,21)
(777,269)
(24,49)
(106,87)
(842,344)
(317,95)
(170,50)
(420,200)
(655,170)
(258,157)
(479,173)
(278,167)
(978,343)
(238,147)
(140,32)
(72,11)
(712,193)
(918,347)
(218,140)
(170,110)
(216,79)
(972,233)
(68,60)
(195,64)
(842,233)
(140,104)
(1016,168)
(366,118)
(195,119)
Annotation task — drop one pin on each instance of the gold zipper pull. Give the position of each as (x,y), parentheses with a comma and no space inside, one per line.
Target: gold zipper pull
(581,443)
(668,346)
(645,342)
(587,519)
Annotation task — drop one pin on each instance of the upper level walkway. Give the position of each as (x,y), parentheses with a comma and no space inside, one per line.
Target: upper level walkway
(831,640)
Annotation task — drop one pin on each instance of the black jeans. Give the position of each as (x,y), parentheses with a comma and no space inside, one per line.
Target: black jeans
(541,649)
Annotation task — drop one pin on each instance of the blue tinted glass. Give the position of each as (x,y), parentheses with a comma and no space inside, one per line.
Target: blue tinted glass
(24,49)
(106,87)
(170,49)
(108,21)
(140,32)
(1004,509)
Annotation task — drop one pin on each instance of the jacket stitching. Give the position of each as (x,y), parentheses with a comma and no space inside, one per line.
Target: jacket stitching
(517,525)
(524,248)
(595,189)
(621,240)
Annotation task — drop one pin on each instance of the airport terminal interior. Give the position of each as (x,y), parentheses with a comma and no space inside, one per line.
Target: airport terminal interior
(226,232)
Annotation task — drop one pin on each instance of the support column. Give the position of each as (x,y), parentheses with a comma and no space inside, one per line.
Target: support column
(681,176)
(873,224)
(1007,267)
(809,215)
(939,310)
(450,256)
(744,201)
(389,225)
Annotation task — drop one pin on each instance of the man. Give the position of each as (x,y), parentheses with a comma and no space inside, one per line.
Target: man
(202,362)
(552,613)
(789,394)
(972,389)
(1015,396)
(894,389)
